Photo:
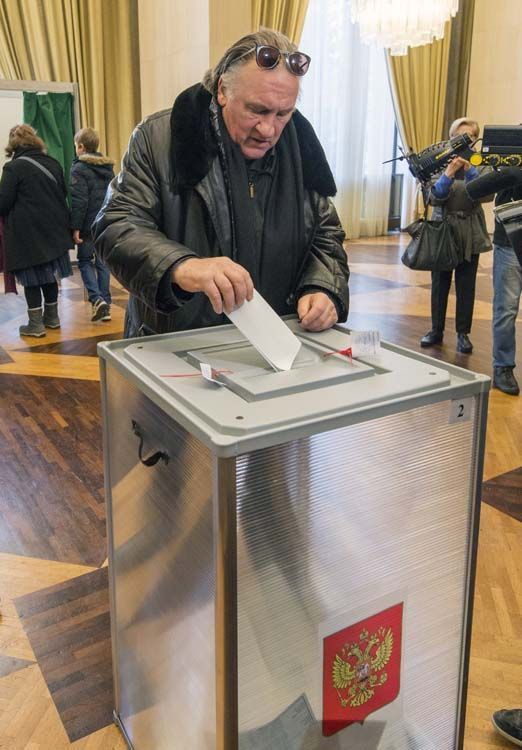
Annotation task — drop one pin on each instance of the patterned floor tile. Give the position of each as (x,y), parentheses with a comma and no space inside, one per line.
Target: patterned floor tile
(9,664)
(85,347)
(505,493)
(67,352)
(4,356)
(68,626)
(51,465)
(416,300)
(360,282)
(389,271)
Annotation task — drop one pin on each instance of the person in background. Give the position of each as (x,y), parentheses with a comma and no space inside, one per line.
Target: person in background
(227,192)
(507,290)
(33,200)
(91,173)
(468,222)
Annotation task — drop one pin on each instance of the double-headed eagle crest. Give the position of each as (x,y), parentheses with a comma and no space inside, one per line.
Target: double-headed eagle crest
(356,673)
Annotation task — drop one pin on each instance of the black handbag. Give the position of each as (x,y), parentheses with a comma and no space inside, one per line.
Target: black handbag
(432,246)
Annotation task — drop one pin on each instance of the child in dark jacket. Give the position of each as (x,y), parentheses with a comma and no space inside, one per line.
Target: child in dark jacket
(91,173)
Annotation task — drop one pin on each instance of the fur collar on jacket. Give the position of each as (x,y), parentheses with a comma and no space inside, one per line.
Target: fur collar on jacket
(193,146)
(96,159)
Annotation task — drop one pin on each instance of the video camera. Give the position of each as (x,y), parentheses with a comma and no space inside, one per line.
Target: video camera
(435,158)
(501,147)
(502,150)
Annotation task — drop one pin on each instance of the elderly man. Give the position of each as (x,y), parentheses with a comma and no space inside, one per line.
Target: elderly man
(227,192)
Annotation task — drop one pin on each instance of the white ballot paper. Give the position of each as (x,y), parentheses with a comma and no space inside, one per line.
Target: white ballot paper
(266,332)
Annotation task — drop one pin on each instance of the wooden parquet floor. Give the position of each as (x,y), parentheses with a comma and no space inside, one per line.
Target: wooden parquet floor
(53,627)
(68,626)
(505,493)
(52,521)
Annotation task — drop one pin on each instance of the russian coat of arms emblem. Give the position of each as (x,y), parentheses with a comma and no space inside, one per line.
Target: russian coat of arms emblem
(361,669)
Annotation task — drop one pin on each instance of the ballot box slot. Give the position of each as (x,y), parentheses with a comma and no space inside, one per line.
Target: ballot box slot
(245,372)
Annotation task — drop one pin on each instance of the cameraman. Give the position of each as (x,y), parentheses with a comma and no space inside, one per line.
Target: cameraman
(466,218)
(507,287)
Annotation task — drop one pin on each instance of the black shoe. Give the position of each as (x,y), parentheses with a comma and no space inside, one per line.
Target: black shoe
(505,381)
(100,311)
(508,723)
(107,313)
(464,345)
(431,338)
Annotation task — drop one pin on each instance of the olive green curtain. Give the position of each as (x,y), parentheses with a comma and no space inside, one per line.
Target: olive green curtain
(459,64)
(283,15)
(91,42)
(52,116)
(418,81)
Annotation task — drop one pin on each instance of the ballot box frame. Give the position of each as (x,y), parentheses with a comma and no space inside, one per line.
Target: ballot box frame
(234,445)
(225,520)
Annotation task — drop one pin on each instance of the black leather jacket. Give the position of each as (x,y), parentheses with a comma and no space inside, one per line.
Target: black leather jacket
(157,203)
(510,189)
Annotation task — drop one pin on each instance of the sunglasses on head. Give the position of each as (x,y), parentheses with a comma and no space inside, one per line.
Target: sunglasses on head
(268,57)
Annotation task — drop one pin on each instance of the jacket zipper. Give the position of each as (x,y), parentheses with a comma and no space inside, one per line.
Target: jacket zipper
(251,189)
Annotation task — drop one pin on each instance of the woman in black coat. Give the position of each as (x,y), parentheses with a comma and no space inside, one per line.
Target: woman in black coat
(33,200)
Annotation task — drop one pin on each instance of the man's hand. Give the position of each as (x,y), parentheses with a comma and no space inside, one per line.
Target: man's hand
(455,165)
(316,312)
(76,237)
(226,284)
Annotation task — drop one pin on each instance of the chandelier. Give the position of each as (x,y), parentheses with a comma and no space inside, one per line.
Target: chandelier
(399,24)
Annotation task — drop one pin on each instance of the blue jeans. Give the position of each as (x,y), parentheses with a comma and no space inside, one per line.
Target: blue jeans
(507,287)
(95,274)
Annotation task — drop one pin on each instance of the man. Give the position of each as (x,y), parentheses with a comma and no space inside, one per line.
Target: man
(227,192)
(91,173)
(507,288)
(468,225)
(506,182)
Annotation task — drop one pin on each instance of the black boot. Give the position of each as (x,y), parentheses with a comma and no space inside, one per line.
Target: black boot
(35,327)
(50,316)
(505,381)
(432,337)
(464,345)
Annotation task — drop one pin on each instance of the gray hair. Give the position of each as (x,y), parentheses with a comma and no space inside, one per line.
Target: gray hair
(230,63)
(455,125)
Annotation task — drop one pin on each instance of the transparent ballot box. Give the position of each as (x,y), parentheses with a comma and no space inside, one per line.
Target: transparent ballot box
(291,554)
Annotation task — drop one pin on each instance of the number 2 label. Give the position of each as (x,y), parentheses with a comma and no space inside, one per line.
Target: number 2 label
(460,410)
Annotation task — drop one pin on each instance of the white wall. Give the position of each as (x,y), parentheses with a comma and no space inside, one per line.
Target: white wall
(495,83)
(229,21)
(174,49)
(11,113)
(180,40)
